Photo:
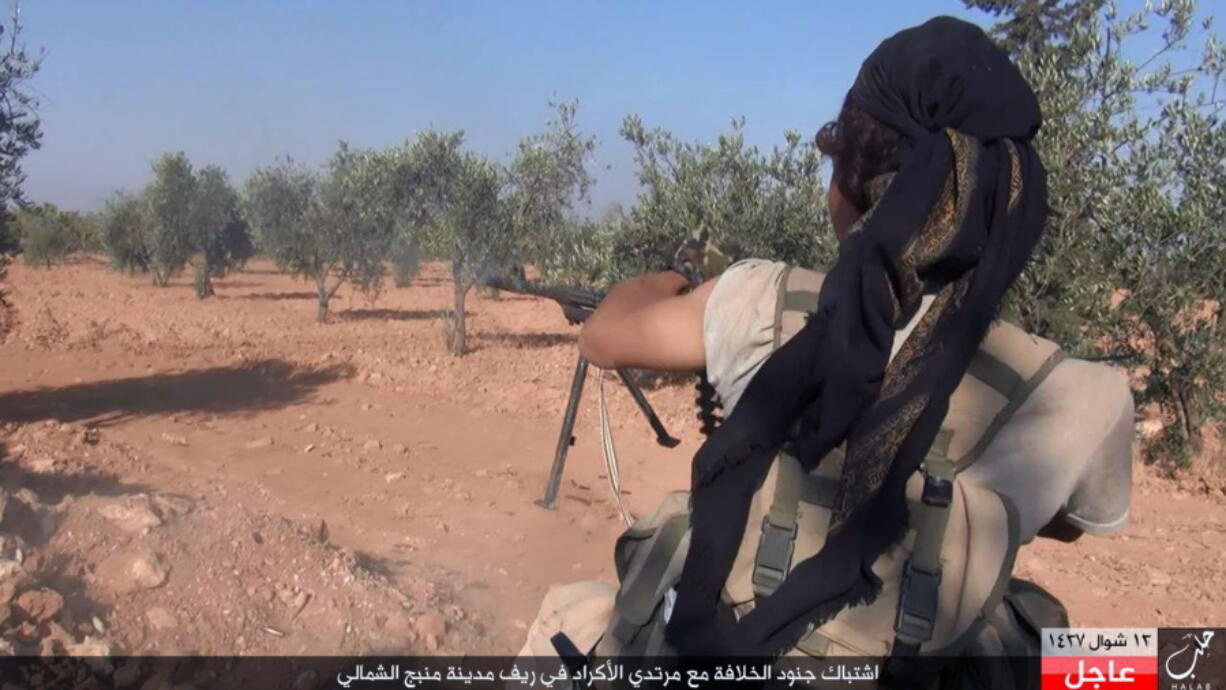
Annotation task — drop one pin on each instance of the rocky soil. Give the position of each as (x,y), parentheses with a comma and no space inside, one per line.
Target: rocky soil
(185,477)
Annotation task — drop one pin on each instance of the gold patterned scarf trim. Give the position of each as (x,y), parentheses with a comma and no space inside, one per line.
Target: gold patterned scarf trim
(869,456)
(1015,175)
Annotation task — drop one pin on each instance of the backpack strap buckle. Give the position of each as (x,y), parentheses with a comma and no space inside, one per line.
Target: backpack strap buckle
(779,528)
(774,557)
(917,606)
(939,473)
(938,491)
(919,592)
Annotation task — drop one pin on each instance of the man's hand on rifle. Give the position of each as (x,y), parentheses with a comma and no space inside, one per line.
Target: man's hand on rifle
(575,315)
(700,260)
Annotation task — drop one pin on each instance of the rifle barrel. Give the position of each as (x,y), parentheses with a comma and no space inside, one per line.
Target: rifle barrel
(577,297)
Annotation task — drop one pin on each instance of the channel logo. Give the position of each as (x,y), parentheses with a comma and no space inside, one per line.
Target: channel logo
(1192,658)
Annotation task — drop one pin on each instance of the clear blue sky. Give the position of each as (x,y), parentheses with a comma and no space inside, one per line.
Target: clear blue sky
(239,83)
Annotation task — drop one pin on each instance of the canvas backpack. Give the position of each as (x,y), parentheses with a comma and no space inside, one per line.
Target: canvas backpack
(947,588)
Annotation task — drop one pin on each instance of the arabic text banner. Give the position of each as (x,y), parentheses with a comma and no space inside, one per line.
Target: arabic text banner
(477,673)
(1100,658)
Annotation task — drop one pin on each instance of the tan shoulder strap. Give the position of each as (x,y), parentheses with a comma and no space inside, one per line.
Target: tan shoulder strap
(798,293)
(799,290)
(774,557)
(918,596)
(1015,389)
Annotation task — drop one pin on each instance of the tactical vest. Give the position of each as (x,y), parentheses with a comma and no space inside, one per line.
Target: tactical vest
(946,588)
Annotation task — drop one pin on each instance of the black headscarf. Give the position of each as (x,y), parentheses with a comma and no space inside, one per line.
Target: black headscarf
(958,220)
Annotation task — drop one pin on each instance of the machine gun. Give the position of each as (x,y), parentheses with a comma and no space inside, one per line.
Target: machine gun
(577,304)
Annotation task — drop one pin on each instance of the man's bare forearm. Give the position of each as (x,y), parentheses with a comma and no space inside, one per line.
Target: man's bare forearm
(653,322)
(638,292)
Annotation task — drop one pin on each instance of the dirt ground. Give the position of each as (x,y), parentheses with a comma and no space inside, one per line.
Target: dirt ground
(227,476)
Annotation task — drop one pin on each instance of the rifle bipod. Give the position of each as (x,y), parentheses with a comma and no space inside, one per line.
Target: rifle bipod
(566,437)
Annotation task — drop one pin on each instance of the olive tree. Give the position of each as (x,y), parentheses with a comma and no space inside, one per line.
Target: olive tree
(455,201)
(406,255)
(1132,264)
(406,192)
(219,235)
(765,205)
(125,224)
(183,216)
(331,228)
(171,196)
(20,127)
(547,181)
(47,235)
(20,133)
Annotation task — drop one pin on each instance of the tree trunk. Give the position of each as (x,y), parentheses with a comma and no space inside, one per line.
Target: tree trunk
(1188,417)
(204,284)
(456,333)
(321,285)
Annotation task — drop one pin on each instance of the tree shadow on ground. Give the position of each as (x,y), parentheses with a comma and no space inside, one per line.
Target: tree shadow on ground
(394,314)
(142,282)
(504,296)
(262,385)
(84,260)
(523,341)
(227,284)
(275,296)
(429,282)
